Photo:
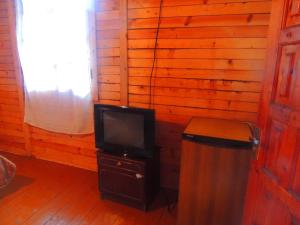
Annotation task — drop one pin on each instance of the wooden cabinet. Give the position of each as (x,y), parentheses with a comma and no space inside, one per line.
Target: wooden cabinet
(215,161)
(130,181)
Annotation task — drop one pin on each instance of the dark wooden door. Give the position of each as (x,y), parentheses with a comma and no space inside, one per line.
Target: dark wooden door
(273,196)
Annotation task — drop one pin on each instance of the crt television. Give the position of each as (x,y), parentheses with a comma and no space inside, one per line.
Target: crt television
(125,130)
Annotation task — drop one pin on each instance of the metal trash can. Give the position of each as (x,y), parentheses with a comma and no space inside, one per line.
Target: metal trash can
(215,163)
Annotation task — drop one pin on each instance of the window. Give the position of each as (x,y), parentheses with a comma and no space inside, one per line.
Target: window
(53,41)
(54,48)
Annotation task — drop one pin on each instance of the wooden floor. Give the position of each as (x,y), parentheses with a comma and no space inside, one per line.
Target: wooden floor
(49,193)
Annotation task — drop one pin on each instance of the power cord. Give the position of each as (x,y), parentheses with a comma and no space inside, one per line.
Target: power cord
(171,205)
(151,95)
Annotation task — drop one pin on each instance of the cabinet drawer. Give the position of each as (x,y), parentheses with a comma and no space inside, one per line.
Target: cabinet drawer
(122,164)
(122,184)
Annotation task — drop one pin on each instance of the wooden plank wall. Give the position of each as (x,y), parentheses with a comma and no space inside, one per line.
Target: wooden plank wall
(11,114)
(210,56)
(210,60)
(108,24)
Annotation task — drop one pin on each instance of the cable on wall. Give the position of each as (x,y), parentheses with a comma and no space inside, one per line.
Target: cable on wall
(151,95)
(170,205)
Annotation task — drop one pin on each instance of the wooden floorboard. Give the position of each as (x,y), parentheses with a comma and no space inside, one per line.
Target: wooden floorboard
(48,193)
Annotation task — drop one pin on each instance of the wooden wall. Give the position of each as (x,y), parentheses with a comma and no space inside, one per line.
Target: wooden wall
(11,125)
(210,56)
(108,25)
(210,60)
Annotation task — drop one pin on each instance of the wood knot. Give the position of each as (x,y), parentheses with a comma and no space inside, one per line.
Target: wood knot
(171,53)
(249,18)
(187,21)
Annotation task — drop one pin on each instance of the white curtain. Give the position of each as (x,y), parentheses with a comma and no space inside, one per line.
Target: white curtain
(54,48)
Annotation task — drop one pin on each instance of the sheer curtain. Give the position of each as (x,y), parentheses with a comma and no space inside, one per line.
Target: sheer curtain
(54,49)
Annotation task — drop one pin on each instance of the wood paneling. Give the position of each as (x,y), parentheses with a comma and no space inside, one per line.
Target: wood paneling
(209,63)
(210,59)
(111,42)
(75,150)
(123,53)
(11,112)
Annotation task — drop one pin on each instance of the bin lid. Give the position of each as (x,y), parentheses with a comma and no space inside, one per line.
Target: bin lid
(219,131)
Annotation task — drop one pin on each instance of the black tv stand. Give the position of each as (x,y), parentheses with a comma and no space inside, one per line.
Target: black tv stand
(131,181)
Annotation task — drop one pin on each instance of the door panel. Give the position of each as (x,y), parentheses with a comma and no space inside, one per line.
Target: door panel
(287,73)
(296,96)
(280,152)
(293,13)
(270,211)
(295,171)
(295,221)
(275,147)
(275,199)
(270,208)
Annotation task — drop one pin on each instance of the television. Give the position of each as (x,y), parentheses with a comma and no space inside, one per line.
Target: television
(125,130)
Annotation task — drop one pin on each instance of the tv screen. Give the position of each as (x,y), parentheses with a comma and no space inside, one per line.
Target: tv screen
(124,129)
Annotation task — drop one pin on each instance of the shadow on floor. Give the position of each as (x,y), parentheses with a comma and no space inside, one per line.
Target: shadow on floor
(17,183)
(165,198)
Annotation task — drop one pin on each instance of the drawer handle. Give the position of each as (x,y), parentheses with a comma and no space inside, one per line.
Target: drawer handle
(119,163)
(139,176)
